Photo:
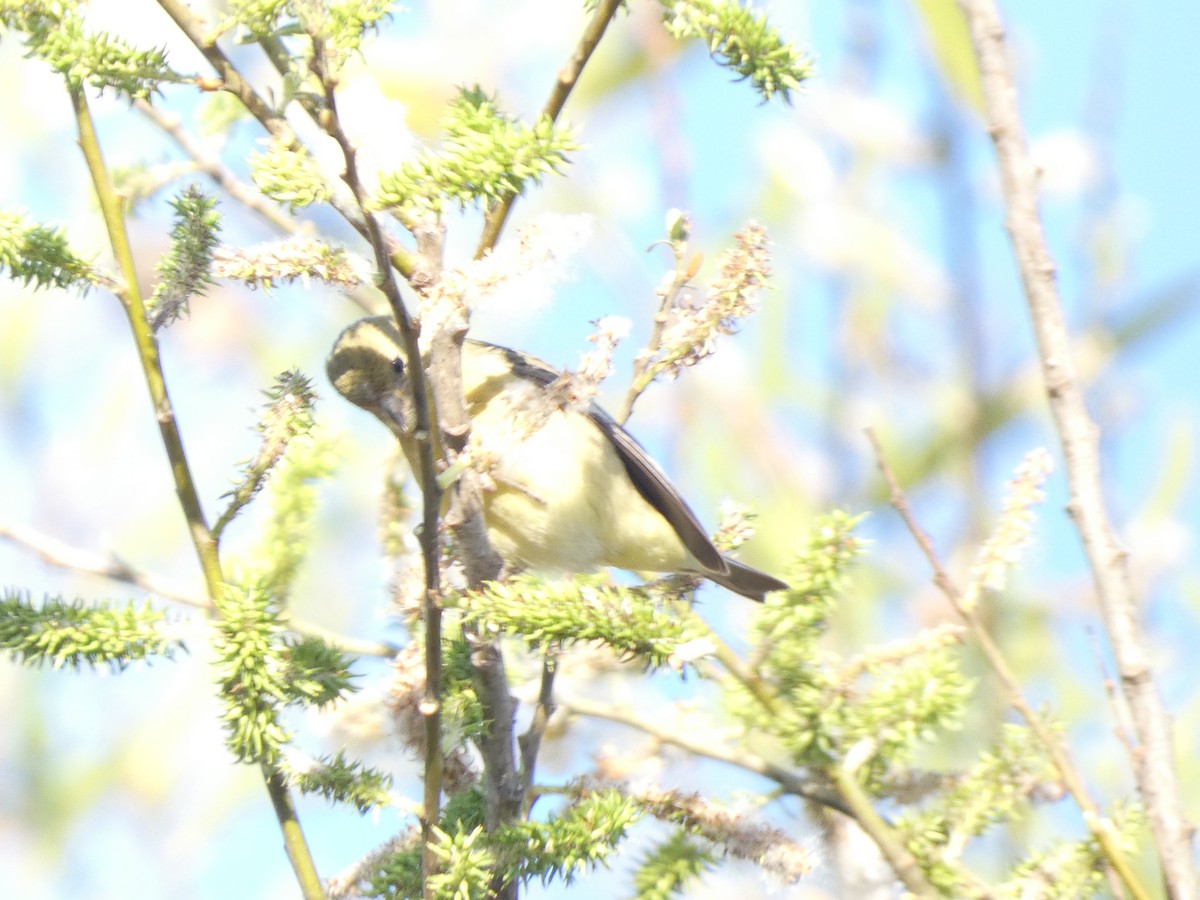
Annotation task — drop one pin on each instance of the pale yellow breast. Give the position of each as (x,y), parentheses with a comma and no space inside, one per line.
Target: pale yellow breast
(562,499)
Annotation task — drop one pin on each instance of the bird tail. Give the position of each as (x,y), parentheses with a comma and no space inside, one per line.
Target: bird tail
(746,580)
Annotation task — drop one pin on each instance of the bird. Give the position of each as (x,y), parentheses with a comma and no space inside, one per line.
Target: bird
(570,490)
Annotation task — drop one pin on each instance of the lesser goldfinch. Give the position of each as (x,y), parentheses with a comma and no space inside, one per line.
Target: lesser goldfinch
(570,489)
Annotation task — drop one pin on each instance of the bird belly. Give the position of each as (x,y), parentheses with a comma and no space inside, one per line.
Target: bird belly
(563,501)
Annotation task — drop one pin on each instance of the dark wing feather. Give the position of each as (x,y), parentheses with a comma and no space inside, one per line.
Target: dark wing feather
(653,484)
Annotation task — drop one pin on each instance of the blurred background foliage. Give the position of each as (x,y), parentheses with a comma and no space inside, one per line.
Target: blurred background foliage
(895,305)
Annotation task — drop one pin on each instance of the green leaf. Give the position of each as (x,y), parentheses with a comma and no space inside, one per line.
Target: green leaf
(251,663)
(546,612)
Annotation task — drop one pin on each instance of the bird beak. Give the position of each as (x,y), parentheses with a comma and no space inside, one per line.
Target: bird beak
(396,413)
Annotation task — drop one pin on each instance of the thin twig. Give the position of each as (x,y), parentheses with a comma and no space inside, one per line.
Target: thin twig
(1155,770)
(734,664)
(903,863)
(1100,827)
(642,364)
(222,175)
(274,122)
(1120,712)
(76,559)
(788,780)
(568,77)
(531,741)
(345,883)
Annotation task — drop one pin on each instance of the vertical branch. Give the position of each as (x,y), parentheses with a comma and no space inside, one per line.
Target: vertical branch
(531,741)
(431,704)
(203,539)
(1155,770)
(503,787)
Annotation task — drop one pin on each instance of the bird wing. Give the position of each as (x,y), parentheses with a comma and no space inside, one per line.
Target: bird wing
(650,481)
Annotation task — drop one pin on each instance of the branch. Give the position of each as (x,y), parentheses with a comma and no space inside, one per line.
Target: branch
(568,76)
(531,741)
(147,347)
(1100,827)
(276,125)
(1080,438)
(76,559)
(202,537)
(853,799)
(903,863)
(222,176)
(683,271)
(787,779)
(345,884)
(293,835)
(734,664)
(430,492)
(504,796)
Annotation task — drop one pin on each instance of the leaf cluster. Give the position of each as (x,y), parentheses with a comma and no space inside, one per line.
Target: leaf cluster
(287,414)
(41,256)
(296,258)
(882,705)
(579,837)
(338,26)
(55,32)
(486,156)
(73,635)
(342,780)
(868,713)
(999,787)
(1069,869)
(288,174)
(740,39)
(261,672)
(341,25)
(292,493)
(584,610)
(671,866)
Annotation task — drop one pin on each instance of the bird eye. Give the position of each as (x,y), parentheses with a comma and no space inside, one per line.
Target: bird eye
(398,366)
